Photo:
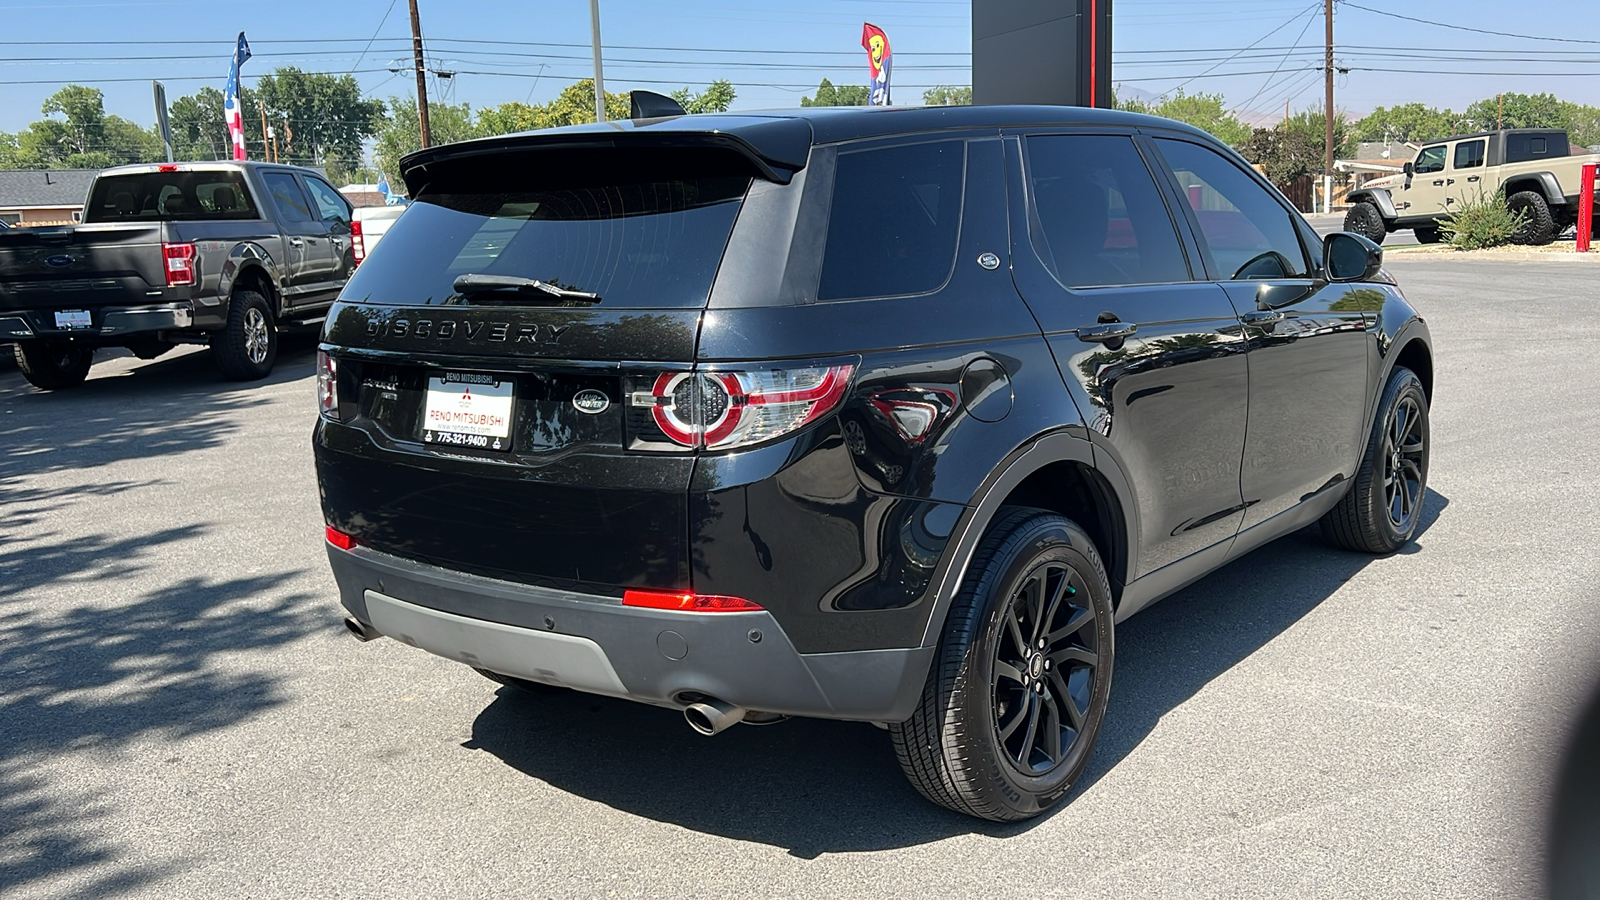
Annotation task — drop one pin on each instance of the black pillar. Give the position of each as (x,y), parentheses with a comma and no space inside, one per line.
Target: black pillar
(1041,51)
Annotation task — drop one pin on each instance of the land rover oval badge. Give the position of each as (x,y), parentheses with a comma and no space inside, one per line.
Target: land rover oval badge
(591,401)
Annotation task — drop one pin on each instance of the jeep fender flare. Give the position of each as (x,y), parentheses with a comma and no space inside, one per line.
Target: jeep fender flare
(1545,183)
(1378,197)
(242,259)
(1038,452)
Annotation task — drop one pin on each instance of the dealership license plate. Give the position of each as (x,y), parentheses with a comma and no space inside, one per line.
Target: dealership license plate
(468,409)
(73,318)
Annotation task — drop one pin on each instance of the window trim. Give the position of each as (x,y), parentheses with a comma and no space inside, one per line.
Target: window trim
(1159,179)
(1207,258)
(1444,159)
(282,218)
(845,148)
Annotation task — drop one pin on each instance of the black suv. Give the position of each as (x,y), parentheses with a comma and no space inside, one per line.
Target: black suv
(884,415)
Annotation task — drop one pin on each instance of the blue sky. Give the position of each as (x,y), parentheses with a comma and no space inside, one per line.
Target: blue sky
(776,52)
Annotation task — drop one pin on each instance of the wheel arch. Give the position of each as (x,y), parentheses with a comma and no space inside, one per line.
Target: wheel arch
(1544,183)
(249,266)
(1057,472)
(1380,198)
(1415,355)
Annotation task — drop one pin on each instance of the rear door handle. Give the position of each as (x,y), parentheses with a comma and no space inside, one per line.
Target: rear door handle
(296,242)
(1449,181)
(1100,334)
(1262,317)
(1473,178)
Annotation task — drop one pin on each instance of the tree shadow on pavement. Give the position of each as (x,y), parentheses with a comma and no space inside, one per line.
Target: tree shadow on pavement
(814,787)
(169,406)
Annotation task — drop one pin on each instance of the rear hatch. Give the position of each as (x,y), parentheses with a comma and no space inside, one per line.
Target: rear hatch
(488,351)
(84,267)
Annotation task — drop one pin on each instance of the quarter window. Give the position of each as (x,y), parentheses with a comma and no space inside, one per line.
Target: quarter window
(1469,154)
(1247,233)
(894,221)
(1098,215)
(287,196)
(1429,161)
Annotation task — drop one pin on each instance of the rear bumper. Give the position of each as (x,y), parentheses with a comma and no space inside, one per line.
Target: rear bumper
(596,644)
(105,322)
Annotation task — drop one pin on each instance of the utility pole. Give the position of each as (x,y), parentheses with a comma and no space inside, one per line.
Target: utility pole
(1500,112)
(599,79)
(1327,113)
(266,148)
(422,76)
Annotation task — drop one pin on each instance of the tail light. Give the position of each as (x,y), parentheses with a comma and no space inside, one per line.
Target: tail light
(358,244)
(686,601)
(724,409)
(328,384)
(180,264)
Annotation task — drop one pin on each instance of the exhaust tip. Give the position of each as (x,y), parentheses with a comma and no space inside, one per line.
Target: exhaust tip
(360,630)
(711,716)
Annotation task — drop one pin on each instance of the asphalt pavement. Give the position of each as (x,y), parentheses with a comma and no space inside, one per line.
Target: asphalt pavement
(181,715)
(1326,225)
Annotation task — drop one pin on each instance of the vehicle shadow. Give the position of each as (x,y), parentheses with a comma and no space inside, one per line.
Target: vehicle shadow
(813,787)
(165,407)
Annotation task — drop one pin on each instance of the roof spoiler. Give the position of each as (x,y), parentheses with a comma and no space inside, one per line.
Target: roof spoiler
(650,105)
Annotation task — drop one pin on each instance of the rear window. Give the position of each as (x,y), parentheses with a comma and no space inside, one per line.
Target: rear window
(654,244)
(1525,147)
(171,197)
(894,221)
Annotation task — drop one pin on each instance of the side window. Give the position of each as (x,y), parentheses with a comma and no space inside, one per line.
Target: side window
(894,222)
(1469,154)
(329,203)
(1100,216)
(1429,161)
(287,196)
(1248,233)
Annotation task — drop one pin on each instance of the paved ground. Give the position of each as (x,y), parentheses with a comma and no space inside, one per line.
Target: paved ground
(181,716)
(1326,225)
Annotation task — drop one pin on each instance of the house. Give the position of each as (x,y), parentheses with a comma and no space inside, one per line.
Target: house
(44,196)
(363,195)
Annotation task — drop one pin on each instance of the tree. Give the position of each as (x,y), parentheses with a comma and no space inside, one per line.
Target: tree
(1519,111)
(401,134)
(1413,122)
(83,137)
(948,96)
(318,118)
(1311,124)
(1583,126)
(1285,154)
(828,95)
(715,98)
(199,129)
(1204,111)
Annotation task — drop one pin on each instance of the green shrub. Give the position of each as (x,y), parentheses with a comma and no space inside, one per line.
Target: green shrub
(1483,222)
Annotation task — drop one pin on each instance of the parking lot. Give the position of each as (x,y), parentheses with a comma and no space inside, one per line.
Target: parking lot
(181,714)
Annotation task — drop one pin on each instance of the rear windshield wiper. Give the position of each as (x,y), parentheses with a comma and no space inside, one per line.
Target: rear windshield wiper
(482,284)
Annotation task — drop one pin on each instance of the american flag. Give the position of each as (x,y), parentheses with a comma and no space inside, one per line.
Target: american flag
(231,110)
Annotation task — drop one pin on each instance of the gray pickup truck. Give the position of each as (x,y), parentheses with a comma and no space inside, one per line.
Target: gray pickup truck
(221,253)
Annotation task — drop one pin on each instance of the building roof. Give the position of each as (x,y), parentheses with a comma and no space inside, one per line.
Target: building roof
(30,188)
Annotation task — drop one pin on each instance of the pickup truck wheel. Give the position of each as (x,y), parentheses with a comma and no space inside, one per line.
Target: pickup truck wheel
(1015,698)
(1538,227)
(1427,235)
(1381,510)
(247,346)
(1365,219)
(52,365)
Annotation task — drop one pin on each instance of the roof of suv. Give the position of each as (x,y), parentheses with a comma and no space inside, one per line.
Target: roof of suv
(784,137)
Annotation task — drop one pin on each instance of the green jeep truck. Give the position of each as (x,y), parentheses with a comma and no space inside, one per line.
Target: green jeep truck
(1536,166)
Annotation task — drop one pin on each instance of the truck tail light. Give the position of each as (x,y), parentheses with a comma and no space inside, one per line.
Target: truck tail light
(687,601)
(358,244)
(328,384)
(180,264)
(729,408)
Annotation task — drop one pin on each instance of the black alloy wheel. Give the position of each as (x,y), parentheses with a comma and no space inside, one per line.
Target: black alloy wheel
(1426,234)
(1365,219)
(1383,507)
(1018,690)
(1044,670)
(1538,225)
(53,365)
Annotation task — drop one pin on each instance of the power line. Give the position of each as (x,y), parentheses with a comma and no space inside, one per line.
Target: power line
(1509,34)
(1241,50)
(374,37)
(1310,17)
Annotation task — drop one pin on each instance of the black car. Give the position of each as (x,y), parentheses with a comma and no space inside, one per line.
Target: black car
(883,415)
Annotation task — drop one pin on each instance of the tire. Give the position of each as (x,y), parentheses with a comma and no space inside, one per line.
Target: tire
(521,684)
(247,345)
(1426,234)
(1380,514)
(53,365)
(1538,226)
(1365,219)
(979,742)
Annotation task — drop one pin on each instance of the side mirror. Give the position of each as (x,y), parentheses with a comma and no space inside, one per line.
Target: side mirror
(1350,257)
(1408,168)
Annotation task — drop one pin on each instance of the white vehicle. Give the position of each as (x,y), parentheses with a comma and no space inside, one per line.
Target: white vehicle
(374,221)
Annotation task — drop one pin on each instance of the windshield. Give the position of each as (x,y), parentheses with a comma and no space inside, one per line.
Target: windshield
(650,245)
(170,197)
